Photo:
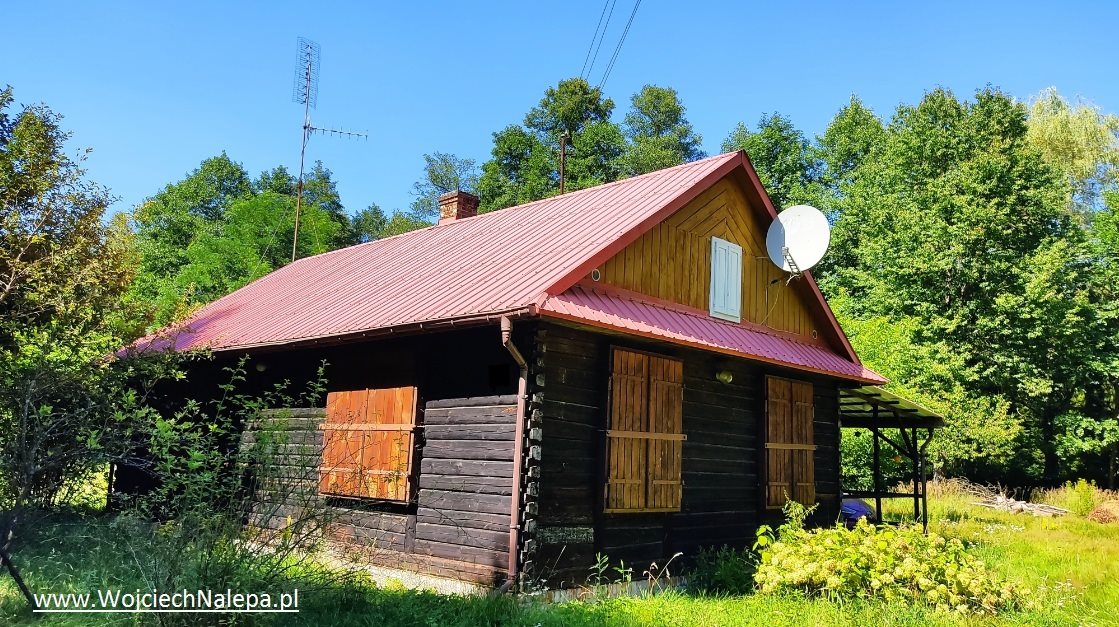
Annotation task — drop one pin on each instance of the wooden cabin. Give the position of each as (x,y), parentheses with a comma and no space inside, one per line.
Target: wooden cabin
(618,370)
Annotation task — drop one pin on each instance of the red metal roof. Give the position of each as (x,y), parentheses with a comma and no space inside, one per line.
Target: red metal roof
(495,263)
(633,316)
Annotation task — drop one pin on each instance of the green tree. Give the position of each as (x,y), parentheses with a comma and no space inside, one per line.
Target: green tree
(63,270)
(852,137)
(957,222)
(443,172)
(1081,141)
(658,131)
(216,230)
(369,224)
(981,430)
(568,108)
(524,163)
(372,224)
(168,221)
(786,163)
(521,169)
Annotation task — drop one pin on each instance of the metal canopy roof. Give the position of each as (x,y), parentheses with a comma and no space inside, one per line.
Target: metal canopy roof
(872,406)
(630,314)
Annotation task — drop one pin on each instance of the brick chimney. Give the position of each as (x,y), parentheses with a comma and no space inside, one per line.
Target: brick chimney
(456,206)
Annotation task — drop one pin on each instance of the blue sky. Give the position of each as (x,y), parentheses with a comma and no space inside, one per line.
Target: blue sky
(154,89)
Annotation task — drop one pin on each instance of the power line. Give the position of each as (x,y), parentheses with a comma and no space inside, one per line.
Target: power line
(618,49)
(603,37)
(597,27)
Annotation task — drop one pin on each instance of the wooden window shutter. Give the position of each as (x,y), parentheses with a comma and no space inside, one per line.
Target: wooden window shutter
(368,441)
(790,447)
(645,433)
(666,418)
(726,280)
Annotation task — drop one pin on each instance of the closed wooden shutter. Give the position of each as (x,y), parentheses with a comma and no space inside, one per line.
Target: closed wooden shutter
(666,419)
(645,433)
(726,280)
(789,443)
(368,440)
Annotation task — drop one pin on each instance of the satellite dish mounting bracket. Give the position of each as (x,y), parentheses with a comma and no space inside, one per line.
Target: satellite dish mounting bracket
(794,270)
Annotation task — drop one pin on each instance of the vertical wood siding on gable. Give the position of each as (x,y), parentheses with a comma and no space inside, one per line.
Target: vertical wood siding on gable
(672,262)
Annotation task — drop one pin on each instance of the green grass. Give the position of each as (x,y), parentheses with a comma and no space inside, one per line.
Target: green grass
(1070,565)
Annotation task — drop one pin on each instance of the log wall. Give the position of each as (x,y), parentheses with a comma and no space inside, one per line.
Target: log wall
(721,503)
(458,525)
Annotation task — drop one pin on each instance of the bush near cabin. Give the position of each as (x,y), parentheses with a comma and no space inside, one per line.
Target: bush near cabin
(891,564)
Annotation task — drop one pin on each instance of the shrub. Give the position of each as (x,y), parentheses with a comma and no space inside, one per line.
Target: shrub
(1081,497)
(880,563)
(723,571)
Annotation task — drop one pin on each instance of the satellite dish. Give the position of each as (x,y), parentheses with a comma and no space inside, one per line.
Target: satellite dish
(798,238)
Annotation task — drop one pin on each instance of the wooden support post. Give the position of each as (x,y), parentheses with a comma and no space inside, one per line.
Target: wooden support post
(916,476)
(877,469)
(924,495)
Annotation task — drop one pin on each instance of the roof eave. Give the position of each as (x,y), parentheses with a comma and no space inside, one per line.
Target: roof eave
(411,328)
(712,349)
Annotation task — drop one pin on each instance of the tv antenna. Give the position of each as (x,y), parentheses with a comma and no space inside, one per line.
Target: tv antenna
(305,91)
(797,239)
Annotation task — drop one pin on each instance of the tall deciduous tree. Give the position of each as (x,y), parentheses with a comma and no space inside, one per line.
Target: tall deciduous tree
(524,164)
(1081,141)
(783,157)
(956,221)
(216,230)
(443,172)
(658,131)
(62,273)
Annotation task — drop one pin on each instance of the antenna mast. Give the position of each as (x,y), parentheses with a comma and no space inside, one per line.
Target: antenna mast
(305,91)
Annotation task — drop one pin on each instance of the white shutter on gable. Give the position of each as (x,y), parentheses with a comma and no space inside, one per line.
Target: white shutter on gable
(726,280)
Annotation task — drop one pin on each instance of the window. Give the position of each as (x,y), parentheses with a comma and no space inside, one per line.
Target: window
(644,438)
(368,441)
(789,447)
(726,280)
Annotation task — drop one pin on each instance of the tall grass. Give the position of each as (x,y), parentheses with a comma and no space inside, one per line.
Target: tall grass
(1079,498)
(1069,565)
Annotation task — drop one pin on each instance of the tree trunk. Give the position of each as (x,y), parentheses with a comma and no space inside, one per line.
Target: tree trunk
(1113,459)
(1051,473)
(6,559)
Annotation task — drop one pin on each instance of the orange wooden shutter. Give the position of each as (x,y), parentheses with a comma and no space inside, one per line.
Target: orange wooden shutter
(626,444)
(645,433)
(789,443)
(666,408)
(368,440)
(804,468)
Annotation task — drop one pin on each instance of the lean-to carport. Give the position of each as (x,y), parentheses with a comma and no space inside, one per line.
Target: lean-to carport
(875,409)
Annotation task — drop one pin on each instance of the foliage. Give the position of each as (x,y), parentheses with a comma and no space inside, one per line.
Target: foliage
(981,429)
(884,563)
(722,571)
(208,484)
(1079,140)
(525,159)
(1068,564)
(524,163)
(62,274)
(217,230)
(1082,497)
(949,224)
(658,131)
(786,163)
(1079,497)
(443,172)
